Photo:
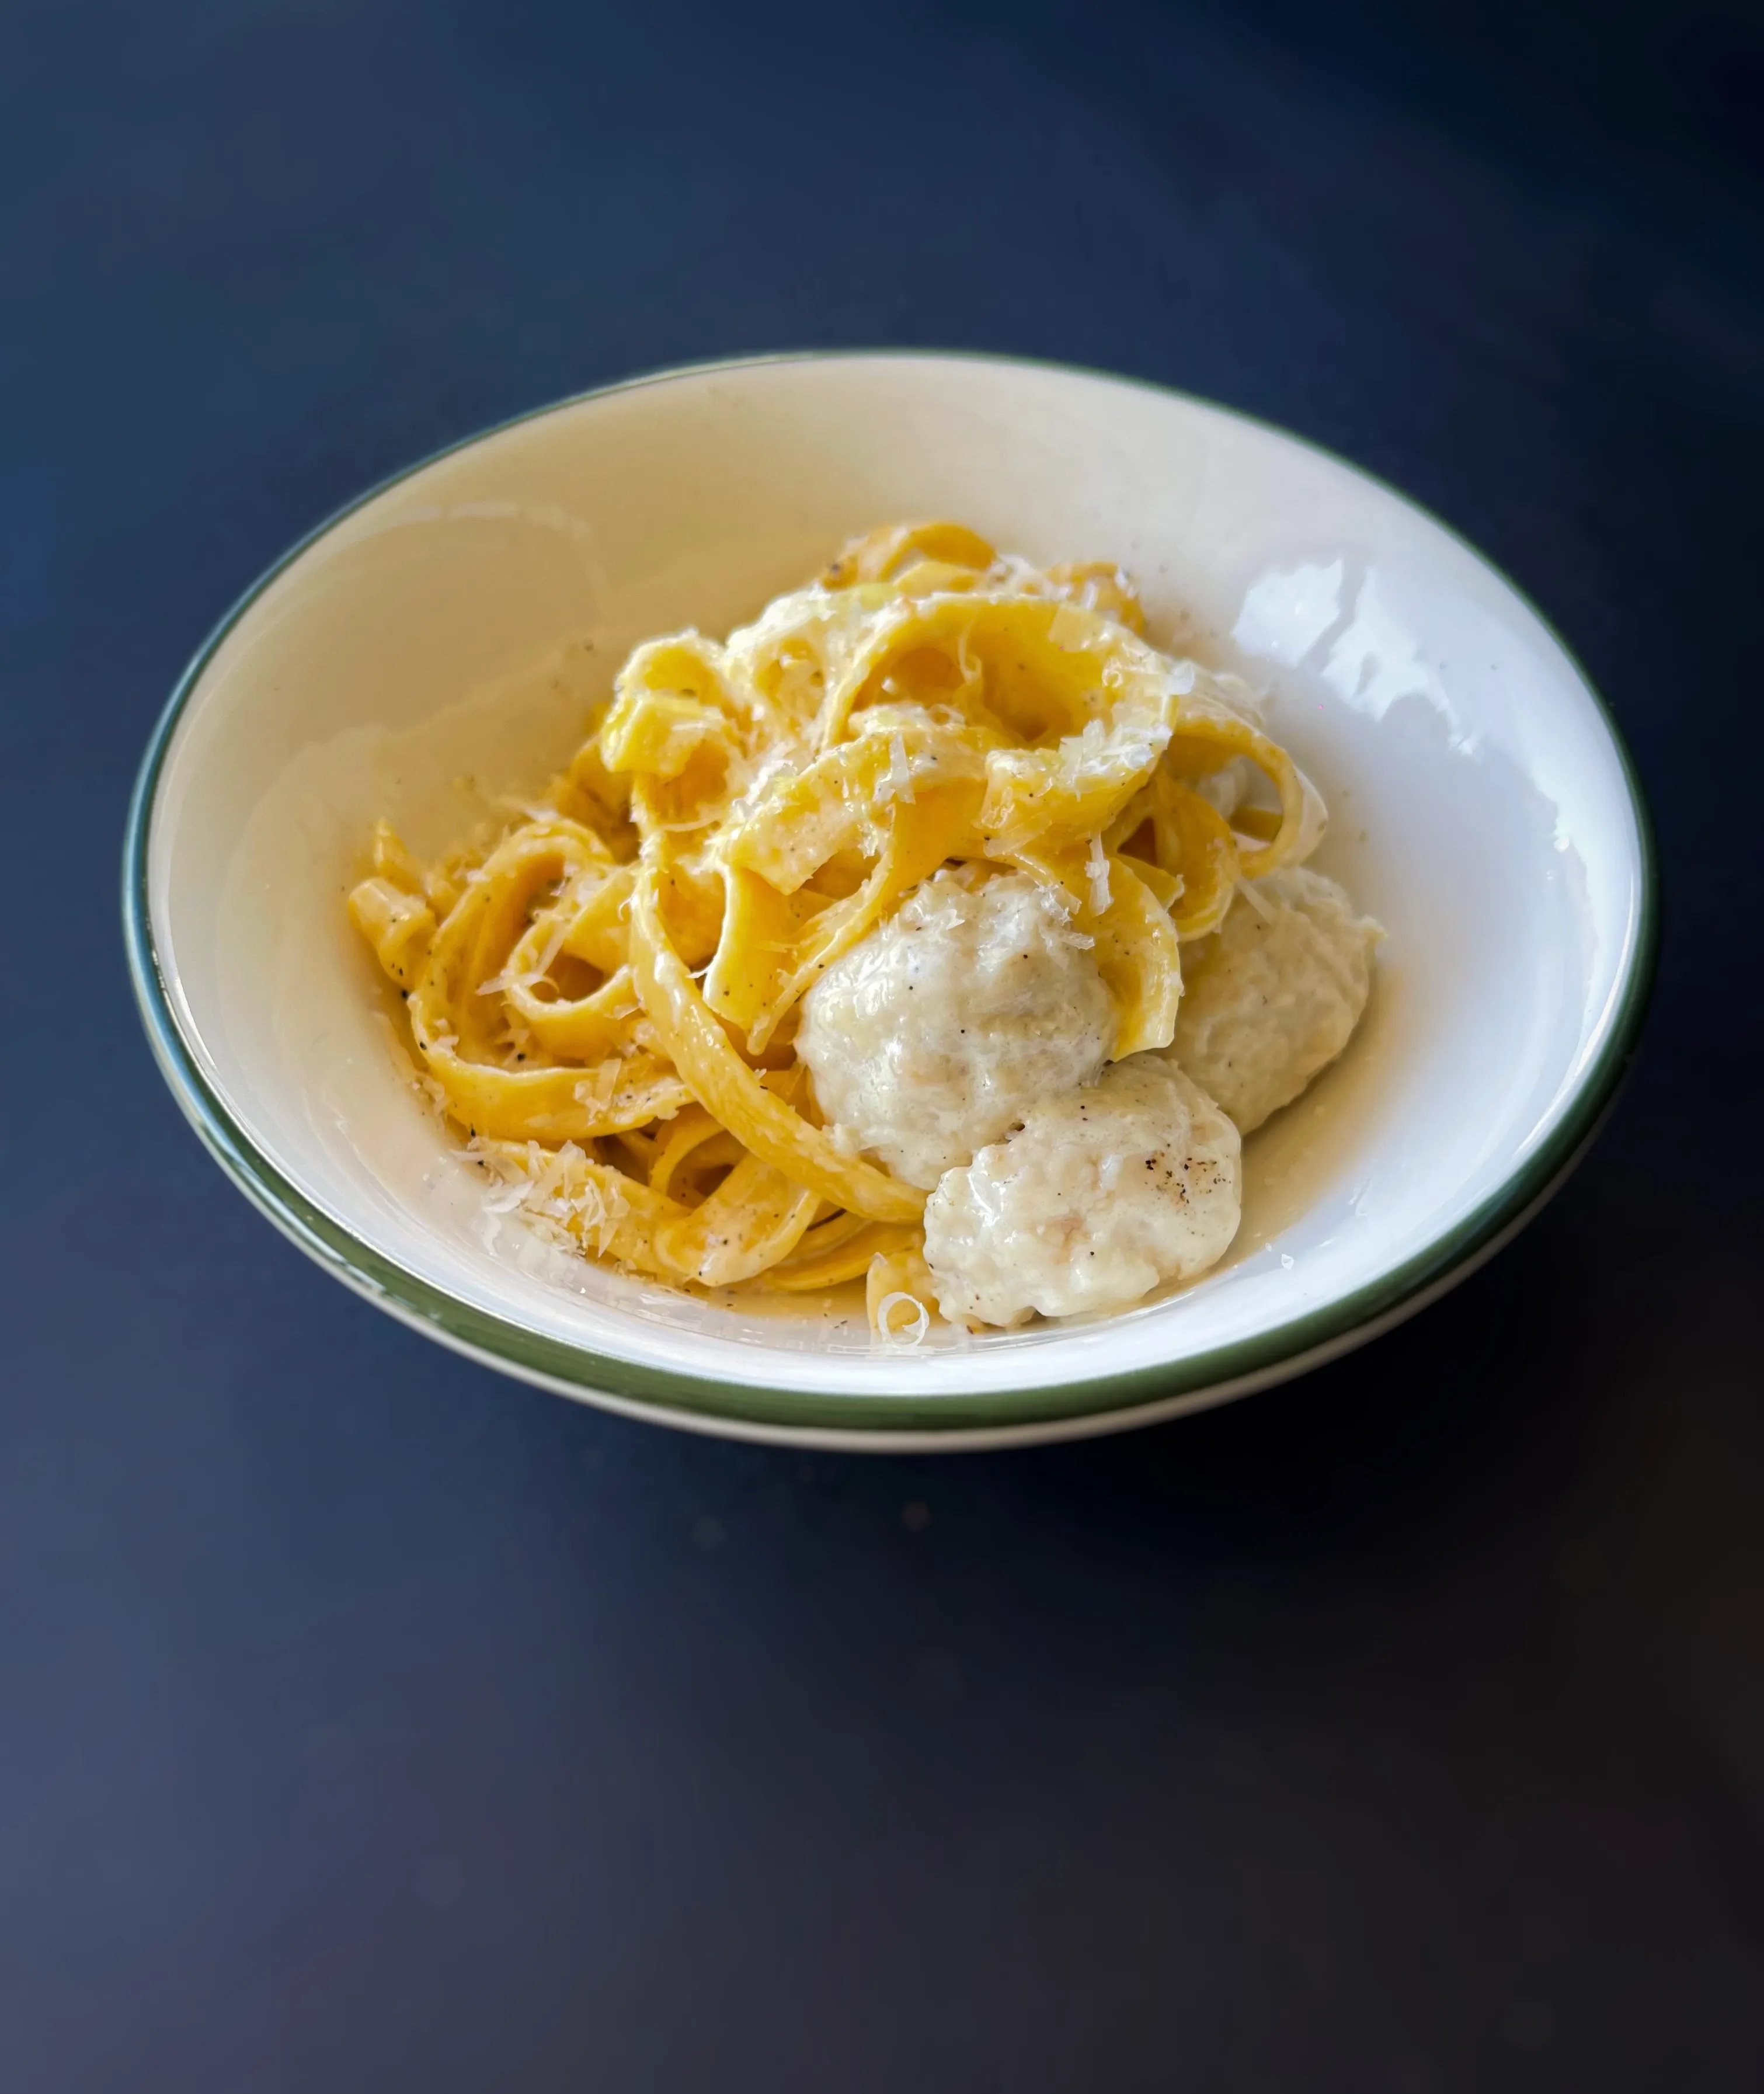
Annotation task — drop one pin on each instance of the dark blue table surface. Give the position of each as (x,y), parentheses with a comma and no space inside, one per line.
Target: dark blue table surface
(370,1723)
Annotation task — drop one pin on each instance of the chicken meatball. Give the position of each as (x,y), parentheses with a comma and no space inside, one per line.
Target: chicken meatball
(1103,1193)
(941,1031)
(1273,995)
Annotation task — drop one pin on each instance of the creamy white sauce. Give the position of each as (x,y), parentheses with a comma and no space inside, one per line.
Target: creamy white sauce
(1105,1192)
(1273,997)
(948,1023)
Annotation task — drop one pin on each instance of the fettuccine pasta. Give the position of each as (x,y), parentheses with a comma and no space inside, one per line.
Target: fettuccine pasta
(604,997)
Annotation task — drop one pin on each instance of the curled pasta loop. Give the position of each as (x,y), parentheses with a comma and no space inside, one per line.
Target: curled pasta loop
(459,1010)
(899,1296)
(882,556)
(732,1091)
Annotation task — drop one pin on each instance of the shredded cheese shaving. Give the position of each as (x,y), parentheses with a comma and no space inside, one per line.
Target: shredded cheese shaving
(1098,866)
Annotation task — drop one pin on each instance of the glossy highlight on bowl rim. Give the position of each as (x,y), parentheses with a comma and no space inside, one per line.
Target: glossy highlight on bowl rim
(902,1423)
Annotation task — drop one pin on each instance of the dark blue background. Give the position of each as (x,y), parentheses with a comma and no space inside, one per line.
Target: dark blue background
(369,1723)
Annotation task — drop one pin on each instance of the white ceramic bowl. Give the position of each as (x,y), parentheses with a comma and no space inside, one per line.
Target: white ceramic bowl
(1482,804)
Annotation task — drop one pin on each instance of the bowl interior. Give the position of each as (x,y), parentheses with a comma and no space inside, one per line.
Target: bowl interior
(414,659)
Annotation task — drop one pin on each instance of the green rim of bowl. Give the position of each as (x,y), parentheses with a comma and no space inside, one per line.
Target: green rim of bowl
(853,1417)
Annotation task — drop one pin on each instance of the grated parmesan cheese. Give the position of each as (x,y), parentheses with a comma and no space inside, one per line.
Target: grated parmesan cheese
(1097,867)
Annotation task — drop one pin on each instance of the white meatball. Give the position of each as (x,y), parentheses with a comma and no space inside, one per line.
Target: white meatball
(1103,1194)
(939,1031)
(1273,995)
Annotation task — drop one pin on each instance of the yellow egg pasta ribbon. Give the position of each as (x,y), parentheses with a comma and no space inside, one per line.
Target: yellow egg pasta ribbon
(732,1091)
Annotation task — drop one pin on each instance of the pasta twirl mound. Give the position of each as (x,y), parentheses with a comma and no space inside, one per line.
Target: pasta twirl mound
(947,822)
